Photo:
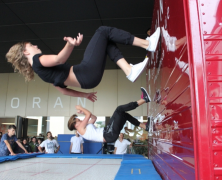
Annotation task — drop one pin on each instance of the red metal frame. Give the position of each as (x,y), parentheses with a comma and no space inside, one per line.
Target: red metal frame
(169,85)
(173,146)
(201,124)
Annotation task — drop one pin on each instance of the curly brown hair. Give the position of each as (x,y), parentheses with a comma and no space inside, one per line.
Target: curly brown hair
(19,61)
(72,122)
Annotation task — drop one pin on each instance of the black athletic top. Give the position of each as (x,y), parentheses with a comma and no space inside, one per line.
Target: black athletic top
(56,74)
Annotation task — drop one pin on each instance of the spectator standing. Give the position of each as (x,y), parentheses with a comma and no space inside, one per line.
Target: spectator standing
(121,145)
(50,144)
(76,146)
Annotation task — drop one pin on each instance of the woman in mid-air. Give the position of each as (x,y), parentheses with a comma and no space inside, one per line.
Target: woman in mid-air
(27,59)
(110,133)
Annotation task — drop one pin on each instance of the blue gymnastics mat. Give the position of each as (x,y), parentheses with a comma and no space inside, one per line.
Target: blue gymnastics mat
(18,156)
(83,156)
(136,167)
(89,147)
(132,166)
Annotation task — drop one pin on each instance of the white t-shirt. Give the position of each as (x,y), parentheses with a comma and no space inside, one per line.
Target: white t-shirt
(76,144)
(50,145)
(121,146)
(93,133)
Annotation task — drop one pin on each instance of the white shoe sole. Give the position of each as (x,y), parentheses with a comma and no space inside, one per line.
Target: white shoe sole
(146,93)
(157,40)
(142,69)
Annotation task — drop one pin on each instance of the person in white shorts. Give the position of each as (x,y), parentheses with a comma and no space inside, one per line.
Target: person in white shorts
(50,144)
(121,145)
(76,146)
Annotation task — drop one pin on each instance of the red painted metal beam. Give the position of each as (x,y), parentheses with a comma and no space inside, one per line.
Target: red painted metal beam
(198,84)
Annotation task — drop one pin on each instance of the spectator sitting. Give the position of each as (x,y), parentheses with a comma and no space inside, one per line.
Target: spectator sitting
(50,144)
(8,140)
(27,139)
(121,145)
(39,142)
(42,137)
(26,145)
(76,146)
(33,145)
(17,149)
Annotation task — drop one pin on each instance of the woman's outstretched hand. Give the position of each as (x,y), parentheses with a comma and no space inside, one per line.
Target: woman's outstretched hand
(74,41)
(91,96)
(80,112)
(80,109)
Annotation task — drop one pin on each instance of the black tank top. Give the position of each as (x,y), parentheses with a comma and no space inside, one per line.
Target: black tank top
(55,75)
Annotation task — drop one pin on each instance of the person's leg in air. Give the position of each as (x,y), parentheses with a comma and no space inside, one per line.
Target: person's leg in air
(119,118)
(90,71)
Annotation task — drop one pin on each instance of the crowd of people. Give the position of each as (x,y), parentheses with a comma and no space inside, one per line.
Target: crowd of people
(31,146)
(10,145)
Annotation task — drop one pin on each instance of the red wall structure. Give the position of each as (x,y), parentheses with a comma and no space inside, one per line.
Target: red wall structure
(184,79)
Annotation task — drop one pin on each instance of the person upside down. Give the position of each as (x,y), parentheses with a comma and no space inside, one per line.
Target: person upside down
(110,133)
(27,58)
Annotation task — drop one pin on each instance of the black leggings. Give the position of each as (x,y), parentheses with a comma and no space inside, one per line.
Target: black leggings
(117,121)
(90,71)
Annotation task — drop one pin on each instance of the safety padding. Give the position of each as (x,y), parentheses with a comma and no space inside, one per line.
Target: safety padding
(18,156)
(136,167)
(89,147)
(83,156)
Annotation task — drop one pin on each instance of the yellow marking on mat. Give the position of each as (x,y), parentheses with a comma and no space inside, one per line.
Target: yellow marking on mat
(137,169)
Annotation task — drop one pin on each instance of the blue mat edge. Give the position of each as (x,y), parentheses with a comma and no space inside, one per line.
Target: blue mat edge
(18,156)
(81,156)
(132,168)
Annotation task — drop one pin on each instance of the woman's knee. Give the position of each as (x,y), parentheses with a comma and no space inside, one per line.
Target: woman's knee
(119,109)
(102,28)
(113,138)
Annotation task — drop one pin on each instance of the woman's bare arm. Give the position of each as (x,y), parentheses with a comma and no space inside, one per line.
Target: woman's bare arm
(93,119)
(61,58)
(86,119)
(70,92)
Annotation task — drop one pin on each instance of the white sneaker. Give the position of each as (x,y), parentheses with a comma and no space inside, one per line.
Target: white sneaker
(136,70)
(153,40)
